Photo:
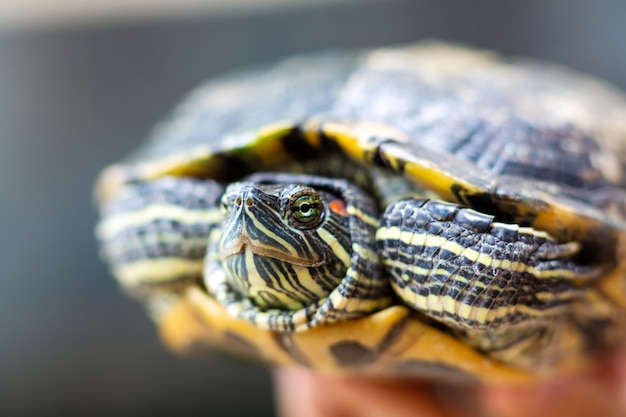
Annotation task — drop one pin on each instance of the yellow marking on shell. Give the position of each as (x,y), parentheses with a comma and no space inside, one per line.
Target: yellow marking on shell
(426,174)
(153,169)
(335,246)
(311,132)
(197,321)
(268,149)
(193,162)
(263,147)
(435,241)
(273,131)
(359,140)
(115,224)
(157,271)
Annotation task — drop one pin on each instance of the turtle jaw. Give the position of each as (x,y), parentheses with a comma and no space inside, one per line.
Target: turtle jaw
(238,246)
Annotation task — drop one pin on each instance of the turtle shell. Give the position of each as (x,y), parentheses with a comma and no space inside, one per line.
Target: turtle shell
(530,142)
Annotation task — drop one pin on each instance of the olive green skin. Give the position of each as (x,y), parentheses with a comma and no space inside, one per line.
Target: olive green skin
(534,143)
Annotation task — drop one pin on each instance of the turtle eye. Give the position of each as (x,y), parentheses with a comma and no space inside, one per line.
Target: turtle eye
(306,209)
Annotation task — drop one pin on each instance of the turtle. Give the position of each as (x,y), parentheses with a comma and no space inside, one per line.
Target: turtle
(430,209)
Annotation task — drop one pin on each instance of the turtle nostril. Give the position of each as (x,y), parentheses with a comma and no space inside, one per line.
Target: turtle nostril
(249,202)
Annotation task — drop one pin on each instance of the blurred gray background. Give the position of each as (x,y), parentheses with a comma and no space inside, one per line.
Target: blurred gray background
(77,95)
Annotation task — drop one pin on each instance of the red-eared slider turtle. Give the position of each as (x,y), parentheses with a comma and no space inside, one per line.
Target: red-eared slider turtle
(424,209)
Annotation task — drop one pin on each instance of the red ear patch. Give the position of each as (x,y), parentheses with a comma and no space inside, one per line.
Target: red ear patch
(338,206)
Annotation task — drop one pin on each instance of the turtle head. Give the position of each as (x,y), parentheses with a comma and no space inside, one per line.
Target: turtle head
(283,245)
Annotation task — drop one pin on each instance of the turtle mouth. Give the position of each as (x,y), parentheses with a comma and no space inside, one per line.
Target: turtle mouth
(237,246)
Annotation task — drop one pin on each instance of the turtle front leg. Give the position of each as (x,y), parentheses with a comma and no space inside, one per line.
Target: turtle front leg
(504,289)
